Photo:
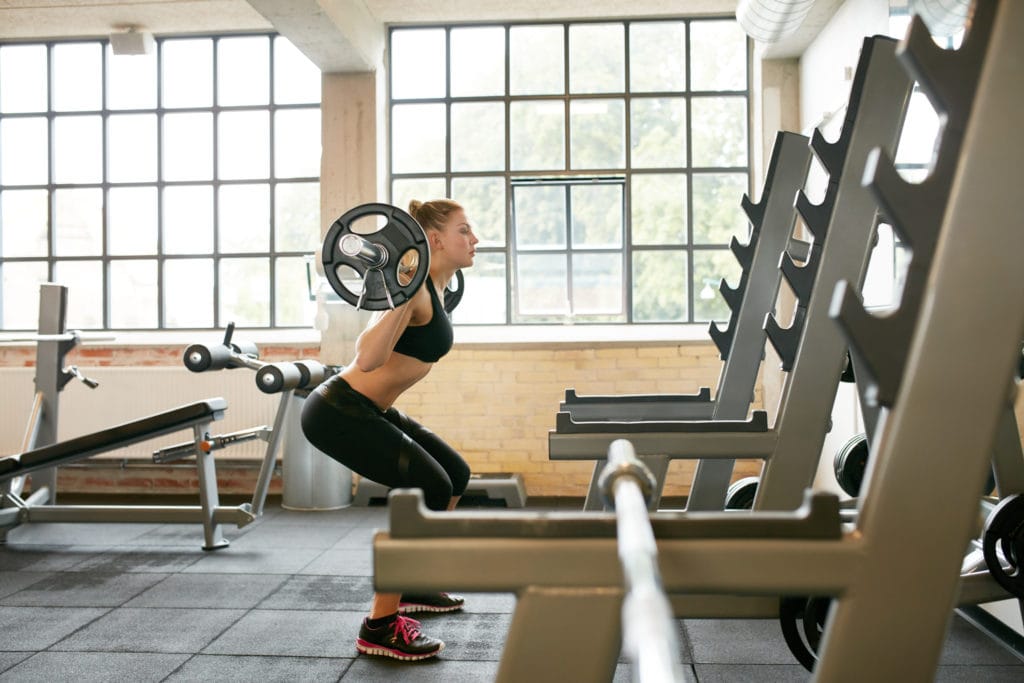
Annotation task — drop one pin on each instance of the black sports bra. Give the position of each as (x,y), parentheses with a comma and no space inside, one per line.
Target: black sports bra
(429,342)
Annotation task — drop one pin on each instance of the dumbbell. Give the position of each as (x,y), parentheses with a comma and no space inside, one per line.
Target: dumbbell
(383,269)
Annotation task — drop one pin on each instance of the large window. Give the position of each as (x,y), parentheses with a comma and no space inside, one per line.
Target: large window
(602,163)
(178,189)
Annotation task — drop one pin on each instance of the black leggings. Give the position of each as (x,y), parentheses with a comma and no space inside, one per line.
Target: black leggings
(387,446)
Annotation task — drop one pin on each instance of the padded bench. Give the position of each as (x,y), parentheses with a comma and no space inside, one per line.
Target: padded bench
(118,436)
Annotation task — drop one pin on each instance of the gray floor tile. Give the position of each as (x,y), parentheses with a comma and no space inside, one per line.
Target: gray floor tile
(125,559)
(78,533)
(203,591)
(751,673)
(489,603)
(82,589)
(37,628)
(315,592)
(967,645)
(469,637)
(241,669)
(151,630)
(253,560)
(288,536)
(737,641)
(356,561)
(440,669)
(357,537)
(290,634)
(12,582)
(45,558)
(979,672)
(9,659)
(98,667)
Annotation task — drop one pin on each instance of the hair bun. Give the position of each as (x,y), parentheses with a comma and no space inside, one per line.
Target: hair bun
(414,207)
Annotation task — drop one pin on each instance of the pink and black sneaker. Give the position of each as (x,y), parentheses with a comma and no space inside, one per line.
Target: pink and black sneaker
(430,602)
(401,639)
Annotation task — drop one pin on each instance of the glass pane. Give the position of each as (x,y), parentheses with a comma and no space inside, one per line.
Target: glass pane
(297,217)
(131,140)
(539,215)
(78,149)
(78,222)
(920,132)
(417,138)
(598,131)
(187,72)
(536,60)
(478,136)
(77,77)
(188,219)
(24,217)
(658,130)
(417,63)
(297,143)
(484,301)
(881,283)
(709,267)
(243,145)
(133,296)
(719,131)
(243,70)
(405,190)
(296,79)
(84,280)
(131,222)
(245,292)
(597,284)
(292,306)
(478,61)
(188,146)
(542,286)
(657,56)
(597,216)
(484,202)
(718,56)
(658,208)
(188,293)
(24,147)
(131,81)
(537,135)
(659,286)
(243,213)
(597,58)
(21,282)
(717,214)
(23,80)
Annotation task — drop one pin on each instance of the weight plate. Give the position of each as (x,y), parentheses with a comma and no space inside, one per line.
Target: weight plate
(741,493)
(1004,531)
(792,612)
(452,297)
(850,463)
(404,246)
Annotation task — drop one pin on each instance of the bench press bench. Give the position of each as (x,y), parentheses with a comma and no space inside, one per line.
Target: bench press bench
(37,508)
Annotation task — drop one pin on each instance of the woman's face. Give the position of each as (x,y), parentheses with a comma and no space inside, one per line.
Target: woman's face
(457,241)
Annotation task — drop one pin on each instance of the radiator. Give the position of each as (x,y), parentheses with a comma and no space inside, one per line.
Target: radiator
(129,393)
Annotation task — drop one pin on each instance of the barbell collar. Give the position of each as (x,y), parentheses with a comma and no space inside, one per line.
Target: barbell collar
(370,254)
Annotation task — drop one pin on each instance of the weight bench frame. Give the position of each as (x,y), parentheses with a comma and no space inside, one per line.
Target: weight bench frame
(38,506)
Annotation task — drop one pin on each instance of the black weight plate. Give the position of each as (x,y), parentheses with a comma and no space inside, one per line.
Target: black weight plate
(791,615)
(452,297)
(850,463)
(382,288)
(741,493)
(1005,528)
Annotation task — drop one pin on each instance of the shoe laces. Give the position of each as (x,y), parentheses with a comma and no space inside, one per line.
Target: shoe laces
(406,628)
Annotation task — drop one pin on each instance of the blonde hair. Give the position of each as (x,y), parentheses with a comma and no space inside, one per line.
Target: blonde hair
(433,215)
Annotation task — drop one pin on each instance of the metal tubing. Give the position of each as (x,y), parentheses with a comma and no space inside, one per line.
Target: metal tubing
(259,495)
(368,253)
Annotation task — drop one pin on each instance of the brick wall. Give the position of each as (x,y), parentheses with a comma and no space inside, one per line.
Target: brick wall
(493,403)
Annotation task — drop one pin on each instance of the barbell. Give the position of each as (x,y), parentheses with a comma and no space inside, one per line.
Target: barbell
(381,269)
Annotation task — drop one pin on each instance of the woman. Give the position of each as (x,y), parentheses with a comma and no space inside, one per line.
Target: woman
(350,418)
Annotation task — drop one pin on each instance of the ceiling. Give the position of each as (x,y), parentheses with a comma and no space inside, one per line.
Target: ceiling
(338,35)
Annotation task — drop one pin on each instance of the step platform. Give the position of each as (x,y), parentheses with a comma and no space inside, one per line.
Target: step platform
(502,486)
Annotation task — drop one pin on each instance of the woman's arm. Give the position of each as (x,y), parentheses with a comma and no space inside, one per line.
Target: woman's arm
(377,341)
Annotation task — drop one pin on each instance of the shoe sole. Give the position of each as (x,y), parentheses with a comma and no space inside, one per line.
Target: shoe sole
(368,648)
(412,608)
